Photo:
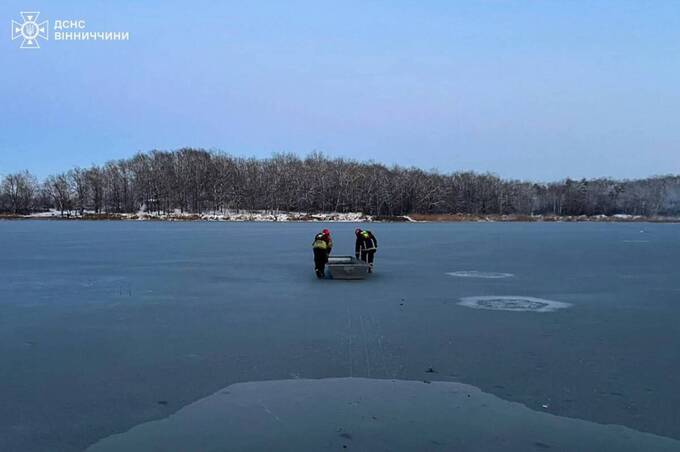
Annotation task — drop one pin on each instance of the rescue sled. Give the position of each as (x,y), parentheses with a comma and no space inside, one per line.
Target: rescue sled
(346,267)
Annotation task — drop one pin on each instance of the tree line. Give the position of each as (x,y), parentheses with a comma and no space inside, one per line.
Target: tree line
(198,181)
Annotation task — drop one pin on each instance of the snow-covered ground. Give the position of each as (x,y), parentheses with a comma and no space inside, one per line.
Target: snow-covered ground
(350,217)
(280,216)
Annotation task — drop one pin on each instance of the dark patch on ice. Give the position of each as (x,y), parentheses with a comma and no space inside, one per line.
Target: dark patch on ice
(512,303)
(296,415)
(478,274)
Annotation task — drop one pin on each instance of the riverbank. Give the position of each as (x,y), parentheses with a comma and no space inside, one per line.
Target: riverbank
(333,217)
(618,218)
(241,216)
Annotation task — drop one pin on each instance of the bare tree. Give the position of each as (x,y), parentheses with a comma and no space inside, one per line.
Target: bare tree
(19,191)
(81,188)
(195,180)
(59,189)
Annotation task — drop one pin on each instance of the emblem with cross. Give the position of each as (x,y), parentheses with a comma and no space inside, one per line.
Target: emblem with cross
(30,30)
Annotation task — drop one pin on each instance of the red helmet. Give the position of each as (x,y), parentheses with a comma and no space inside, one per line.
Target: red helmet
(326,232)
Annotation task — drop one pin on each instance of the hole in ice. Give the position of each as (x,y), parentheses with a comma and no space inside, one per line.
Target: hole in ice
(477,274)
(513,303)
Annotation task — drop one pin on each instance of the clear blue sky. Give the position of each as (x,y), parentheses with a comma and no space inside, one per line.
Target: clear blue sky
(535,90)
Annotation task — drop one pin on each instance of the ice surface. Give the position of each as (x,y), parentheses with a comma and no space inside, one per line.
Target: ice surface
(108,325)
(371,415)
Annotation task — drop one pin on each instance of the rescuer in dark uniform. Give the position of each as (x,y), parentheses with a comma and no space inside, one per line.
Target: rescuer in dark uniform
(322,246)
(365,247)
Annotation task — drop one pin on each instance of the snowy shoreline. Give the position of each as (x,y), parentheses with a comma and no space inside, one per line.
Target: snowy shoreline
(243,216)
(330,217)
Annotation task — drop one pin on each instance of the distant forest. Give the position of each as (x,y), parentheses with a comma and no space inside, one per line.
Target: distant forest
(197,181)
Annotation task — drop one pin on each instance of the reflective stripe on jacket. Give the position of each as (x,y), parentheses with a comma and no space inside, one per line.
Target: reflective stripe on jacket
(366,241)
(322,242)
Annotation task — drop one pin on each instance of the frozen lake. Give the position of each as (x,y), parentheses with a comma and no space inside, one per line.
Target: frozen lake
(108,326)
